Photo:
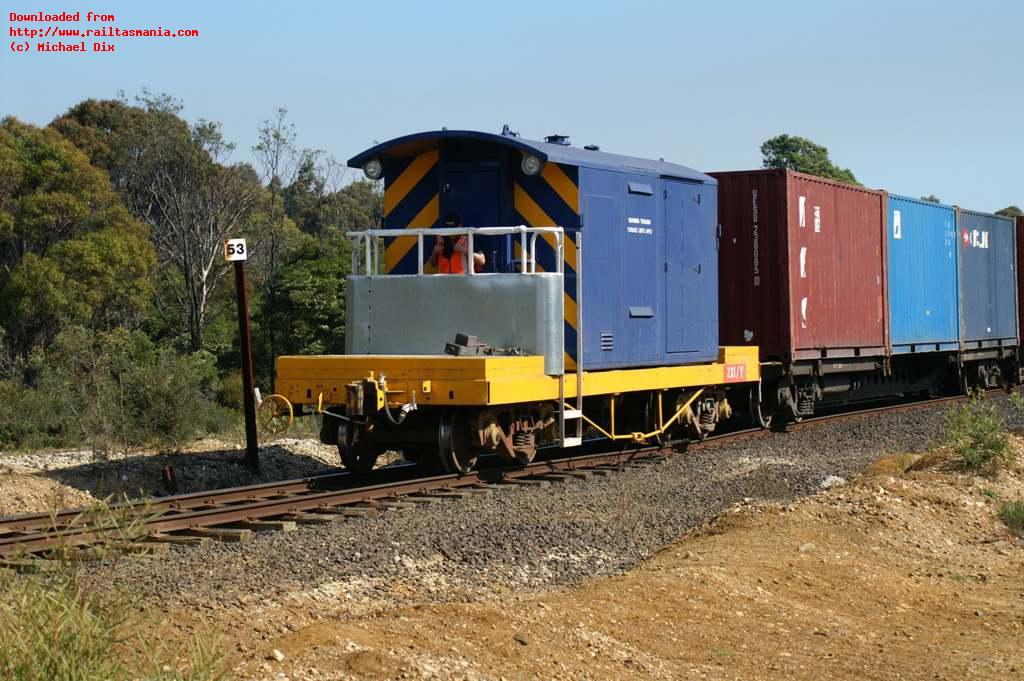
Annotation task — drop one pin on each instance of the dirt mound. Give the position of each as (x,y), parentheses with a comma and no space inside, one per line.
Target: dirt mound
(905,574)
(22,493)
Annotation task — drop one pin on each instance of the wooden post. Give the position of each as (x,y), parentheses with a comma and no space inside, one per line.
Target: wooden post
(235,251)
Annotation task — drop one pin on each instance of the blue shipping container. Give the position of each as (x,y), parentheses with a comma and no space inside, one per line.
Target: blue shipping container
(922,271)
(988,279)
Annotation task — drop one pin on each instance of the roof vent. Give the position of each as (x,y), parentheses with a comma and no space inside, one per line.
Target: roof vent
(506,131)
(562,140)
(591,147)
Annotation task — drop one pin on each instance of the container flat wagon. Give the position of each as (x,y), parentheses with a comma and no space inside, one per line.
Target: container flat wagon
(802,276)
(987,263)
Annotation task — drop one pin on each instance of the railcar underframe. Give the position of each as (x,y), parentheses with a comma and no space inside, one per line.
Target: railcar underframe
(797,389)
(471,406)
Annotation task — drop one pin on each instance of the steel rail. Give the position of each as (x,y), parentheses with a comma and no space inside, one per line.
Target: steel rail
(298,501)
(181,502)
(73,528)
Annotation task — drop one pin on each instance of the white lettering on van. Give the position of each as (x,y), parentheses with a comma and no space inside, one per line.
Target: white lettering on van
(897,225)
(803,211)
(756,239)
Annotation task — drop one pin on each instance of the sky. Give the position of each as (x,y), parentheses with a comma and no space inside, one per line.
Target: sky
(915,97)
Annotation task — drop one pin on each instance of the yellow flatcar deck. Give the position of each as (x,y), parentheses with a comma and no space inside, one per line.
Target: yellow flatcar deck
(490,380)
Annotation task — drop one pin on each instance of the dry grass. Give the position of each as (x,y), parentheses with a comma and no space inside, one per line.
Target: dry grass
(55,627)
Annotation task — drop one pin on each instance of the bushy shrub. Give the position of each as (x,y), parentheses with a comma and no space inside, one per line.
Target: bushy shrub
(111,390)
(232,392)
(1017,400)
(26,419)
(1012,513)
(976,432)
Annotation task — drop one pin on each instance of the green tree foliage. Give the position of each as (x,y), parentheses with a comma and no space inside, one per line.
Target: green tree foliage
(116,326)
(174,178)
(123,140)
(1010,212)
(803,155)
(359,205)
(69,250)
(277,158)
(110,390)
(309,300)
(198,203)
(321,205)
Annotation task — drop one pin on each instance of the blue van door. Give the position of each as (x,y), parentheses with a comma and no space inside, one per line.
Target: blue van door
(473,192)
(691,294)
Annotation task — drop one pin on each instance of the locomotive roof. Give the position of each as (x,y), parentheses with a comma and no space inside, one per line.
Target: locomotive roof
(417,143)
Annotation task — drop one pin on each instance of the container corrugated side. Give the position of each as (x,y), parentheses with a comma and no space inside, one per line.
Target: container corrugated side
(801,265)
(837,282)
(752,267)
(922,276)
(987,258)
(1020,272)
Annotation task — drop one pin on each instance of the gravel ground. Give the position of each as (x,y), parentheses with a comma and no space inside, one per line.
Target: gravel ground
(519,536)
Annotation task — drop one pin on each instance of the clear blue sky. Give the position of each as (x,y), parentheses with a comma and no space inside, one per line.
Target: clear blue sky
(915,97)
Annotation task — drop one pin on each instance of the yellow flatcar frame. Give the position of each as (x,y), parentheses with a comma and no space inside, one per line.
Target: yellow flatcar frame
(445,380)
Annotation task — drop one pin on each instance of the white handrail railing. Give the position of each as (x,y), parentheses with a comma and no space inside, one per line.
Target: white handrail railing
(365,243)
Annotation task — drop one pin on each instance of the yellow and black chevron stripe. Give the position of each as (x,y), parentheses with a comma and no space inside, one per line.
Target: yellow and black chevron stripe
(552,198)
(410,200)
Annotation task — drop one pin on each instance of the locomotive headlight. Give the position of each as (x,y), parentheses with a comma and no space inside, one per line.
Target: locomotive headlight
(531,164)
(373,169)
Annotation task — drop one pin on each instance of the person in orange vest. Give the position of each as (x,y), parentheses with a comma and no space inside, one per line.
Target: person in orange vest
(449,254)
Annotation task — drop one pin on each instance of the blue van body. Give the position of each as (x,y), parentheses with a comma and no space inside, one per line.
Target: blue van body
(647,229)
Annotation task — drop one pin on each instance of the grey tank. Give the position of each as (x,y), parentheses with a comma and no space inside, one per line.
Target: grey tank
(418,314)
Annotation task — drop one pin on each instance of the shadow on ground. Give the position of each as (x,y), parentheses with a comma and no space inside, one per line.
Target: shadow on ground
(143,475)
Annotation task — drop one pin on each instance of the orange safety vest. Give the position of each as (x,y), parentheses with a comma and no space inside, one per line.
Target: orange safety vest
(454,264)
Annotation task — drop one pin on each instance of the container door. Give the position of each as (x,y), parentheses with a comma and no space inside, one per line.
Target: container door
(835,275)
(988,305)
(690,272)
(922,245)
(1004,246)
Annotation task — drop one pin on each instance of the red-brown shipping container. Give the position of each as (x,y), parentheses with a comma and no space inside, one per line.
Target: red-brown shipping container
(801,266)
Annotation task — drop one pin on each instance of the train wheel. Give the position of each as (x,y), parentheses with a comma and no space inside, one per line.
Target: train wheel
(758,415)
(356,456)
(968,382)
(793,413)
(457,453)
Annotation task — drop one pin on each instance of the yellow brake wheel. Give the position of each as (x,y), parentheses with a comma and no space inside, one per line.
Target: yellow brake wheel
(275,414)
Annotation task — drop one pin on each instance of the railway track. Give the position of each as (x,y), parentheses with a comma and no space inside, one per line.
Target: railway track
(234,514)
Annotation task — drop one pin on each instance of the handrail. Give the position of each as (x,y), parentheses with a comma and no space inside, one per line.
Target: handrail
(365,244)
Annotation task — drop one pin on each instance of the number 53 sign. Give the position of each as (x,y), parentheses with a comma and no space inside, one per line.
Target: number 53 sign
(234,250)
